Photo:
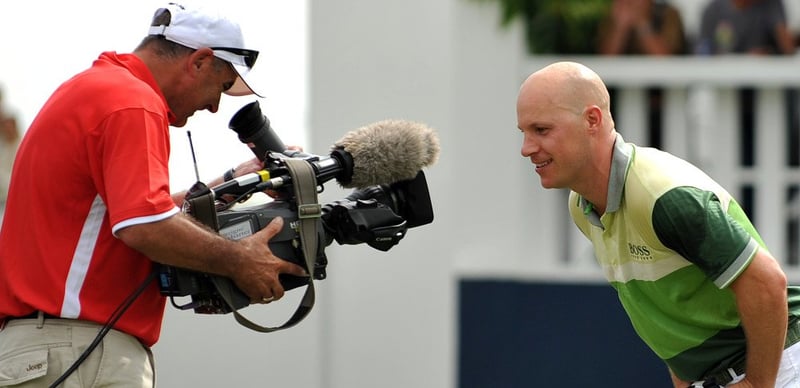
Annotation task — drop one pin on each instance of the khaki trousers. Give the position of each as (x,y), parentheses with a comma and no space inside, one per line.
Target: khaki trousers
(36,352)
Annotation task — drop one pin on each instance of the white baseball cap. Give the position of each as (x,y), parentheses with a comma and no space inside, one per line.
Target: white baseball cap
(197,28)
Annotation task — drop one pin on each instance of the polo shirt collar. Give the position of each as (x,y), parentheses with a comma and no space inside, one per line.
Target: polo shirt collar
(138,69)
(621,159)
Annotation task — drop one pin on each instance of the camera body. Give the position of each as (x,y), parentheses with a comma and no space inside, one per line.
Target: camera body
(377,215)
(205,289)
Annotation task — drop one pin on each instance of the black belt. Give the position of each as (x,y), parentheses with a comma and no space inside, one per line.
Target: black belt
(33,315)
(723,377)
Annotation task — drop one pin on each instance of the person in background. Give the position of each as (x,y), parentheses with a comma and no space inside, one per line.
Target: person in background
(9,141)
(91,212)
(646,28)
(642,27)
(751,27)
(756,27)
(691,271)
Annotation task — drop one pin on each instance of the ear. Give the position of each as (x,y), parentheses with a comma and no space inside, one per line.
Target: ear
(593,116)
(201,59)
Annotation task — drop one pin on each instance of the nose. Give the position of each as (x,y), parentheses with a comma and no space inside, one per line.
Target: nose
(529,146)
(214,106)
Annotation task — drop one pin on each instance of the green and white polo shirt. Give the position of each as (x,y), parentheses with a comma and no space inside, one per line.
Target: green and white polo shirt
(670,242)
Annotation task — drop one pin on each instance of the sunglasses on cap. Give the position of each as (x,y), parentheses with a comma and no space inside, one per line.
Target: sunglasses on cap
(249,56)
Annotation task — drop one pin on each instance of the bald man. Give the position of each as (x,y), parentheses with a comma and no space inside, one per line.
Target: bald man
(691,271)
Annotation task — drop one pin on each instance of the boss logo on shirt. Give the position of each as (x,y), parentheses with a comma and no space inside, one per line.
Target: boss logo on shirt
(639,252)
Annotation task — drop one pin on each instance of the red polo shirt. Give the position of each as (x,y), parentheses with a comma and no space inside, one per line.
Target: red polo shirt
(94,160)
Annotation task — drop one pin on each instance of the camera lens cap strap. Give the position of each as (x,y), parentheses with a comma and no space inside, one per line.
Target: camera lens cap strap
(309,212)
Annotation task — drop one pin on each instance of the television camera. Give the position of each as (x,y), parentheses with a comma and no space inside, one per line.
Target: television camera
(391,195)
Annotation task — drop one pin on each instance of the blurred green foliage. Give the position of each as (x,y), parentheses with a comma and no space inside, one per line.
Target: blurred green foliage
(556,26)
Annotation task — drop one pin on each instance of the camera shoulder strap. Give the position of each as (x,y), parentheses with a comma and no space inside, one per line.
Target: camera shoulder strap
(309,212)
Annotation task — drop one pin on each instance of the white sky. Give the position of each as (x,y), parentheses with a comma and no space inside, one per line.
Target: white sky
(46,42)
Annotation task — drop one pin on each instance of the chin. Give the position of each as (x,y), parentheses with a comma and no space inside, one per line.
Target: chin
(550,184)
(545,182)
(178,123)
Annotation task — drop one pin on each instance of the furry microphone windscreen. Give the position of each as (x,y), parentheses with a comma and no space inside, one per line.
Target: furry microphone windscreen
(389,151)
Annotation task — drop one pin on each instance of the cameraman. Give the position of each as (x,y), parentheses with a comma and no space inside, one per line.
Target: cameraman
(75,245)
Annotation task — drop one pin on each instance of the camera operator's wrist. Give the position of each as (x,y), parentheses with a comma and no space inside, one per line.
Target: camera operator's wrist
(229,175)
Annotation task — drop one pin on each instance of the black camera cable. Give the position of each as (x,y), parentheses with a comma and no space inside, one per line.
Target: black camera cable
(112,320)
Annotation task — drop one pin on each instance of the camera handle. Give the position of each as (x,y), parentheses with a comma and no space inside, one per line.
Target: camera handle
(309,211)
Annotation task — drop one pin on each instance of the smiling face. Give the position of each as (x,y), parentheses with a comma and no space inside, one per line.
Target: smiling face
(552,138)
(562,114)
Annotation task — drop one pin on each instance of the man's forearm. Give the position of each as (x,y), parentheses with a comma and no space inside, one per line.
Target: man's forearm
(183,242)
(762,301)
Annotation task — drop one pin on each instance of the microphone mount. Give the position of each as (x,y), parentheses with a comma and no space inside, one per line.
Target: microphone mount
(338,165)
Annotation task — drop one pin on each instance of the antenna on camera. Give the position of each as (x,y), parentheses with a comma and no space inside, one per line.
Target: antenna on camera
(194,159)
